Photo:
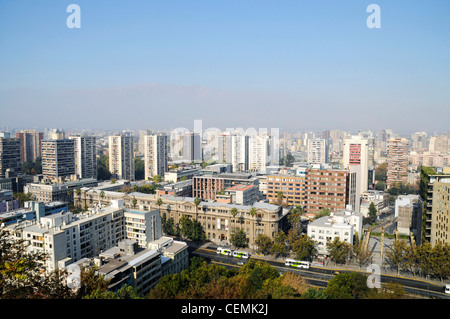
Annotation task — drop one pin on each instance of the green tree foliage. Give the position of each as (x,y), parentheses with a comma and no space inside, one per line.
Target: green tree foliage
(22,197)
(256,279)
(372,211)
(191,229)
(238,238)
(279,248)
(339,250)
(381,172)
(103,173)
(32,168)
(264,244)
(304,248)
(399,188)
(139,169)
(348,286)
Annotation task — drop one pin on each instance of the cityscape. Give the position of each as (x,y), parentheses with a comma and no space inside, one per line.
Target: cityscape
(242,163)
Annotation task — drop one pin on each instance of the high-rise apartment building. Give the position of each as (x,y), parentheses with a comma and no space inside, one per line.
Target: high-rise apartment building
(121,156)
(31,144)
(356,152)
(233,149)
(85,156)
(397,161)
(10,155)
(192,147)
(58,159)
(439,144)
(155,155)
(259,152)
(317,151)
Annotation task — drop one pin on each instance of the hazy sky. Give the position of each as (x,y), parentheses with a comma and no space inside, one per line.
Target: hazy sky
(293,65)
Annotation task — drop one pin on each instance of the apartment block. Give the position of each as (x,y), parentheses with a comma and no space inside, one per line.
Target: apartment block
(356,152)
(234,149)
(155,155)
(31,144)
(292,186)
(440,209)
(58,159)
(121,156)
(64,191)
(68,237)
(326,188)
(10,156)
(317,151)
(207,186)
(85,156)
(397,161)
(192,147)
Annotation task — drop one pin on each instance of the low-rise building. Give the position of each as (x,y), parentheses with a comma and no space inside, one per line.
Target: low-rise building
(49,192)
(343,224)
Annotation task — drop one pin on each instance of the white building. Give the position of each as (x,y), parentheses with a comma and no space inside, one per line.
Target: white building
(85,156)
(356,152)
(121,156)
(344,224)
(317,151)
(68,237)
(259,150)
(155,155)
(234,149)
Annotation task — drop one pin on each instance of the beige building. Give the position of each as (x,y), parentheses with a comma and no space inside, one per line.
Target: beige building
(440,216)
(216,218)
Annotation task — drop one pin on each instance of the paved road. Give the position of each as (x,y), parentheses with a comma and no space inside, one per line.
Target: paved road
(319,276)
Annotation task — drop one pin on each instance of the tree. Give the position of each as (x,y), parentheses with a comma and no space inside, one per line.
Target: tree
(21,273)
(233,213)
(197,202)
(238,238)
(348,286)
(102,195)
(360,252)
(253,214)
(280,197)
(295,217)
(339,250)
(157,179)
(191,229)
(381,172)
(134,202)
(139,169)
(264,244)
(103,172)
(304,248)
(279,245)
(395,257)
(372,211)
(159,202)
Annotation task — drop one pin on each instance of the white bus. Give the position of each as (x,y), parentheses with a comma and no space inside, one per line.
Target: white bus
(297,263)
(240,254)
(224,251)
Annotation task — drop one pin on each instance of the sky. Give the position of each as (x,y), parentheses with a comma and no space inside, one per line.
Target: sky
(288,64)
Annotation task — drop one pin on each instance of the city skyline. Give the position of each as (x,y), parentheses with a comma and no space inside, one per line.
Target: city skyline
(291,65)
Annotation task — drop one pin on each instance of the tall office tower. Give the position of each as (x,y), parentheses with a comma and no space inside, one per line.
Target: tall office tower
(233,149)
(85,156)
(31,144)
(397,161)
(121,156)
(155,155)
(192,147)
(10,155)
(419,141)
(439,144)
(258,152)
(57,134)
(317,151)
(356,152)
(58,159)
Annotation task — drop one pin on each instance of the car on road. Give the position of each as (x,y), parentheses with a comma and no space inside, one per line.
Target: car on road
(447,289)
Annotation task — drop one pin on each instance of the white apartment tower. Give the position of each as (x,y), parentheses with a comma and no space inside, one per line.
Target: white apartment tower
(317,151)
(155,155)
(356,152)
(85,156)
(259,152)
(121,156)
(234,149)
